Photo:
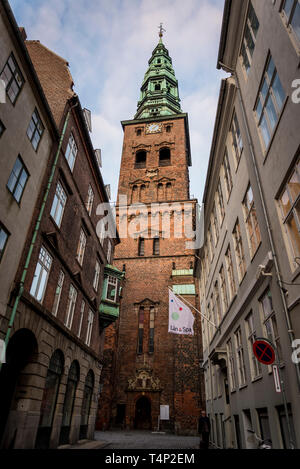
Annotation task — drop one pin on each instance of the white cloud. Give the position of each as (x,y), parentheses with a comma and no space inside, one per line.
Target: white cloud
(108,44)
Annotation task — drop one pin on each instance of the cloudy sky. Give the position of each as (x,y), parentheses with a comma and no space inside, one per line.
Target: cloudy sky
(108,44)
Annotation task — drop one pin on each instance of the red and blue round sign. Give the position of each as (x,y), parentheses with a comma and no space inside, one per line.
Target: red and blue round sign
(264,352)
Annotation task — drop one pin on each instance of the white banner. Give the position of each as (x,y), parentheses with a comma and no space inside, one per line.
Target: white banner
(181,318)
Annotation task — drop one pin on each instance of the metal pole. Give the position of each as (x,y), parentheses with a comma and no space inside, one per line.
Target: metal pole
(282,389)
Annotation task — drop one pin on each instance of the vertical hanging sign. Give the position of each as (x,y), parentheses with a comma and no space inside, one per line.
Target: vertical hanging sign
(276,379)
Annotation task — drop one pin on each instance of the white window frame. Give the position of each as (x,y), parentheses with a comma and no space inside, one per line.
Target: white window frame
(255,366)
(41,275)
(90,200)
(239,350)
(112,281)
(59,204)
(89,331)
(97,276)
(81,246)
(71,152)
(82,309)
(232,377)
(59,287)
(72,298)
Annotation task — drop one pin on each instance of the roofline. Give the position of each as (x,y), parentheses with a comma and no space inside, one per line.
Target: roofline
(182,115)
(224,32)
(215,135)
(21,44)
(92,150)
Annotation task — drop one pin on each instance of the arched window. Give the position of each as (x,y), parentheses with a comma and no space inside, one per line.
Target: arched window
(140,159)
(135,194)
(143,193)
(165,157)
(141,247)
(169,191)
(69,402)
(160,192)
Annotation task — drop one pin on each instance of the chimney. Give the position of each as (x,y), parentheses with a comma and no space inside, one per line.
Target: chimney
(23,33)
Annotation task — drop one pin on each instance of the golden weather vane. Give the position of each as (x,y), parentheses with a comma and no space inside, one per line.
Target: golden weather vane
(161,30)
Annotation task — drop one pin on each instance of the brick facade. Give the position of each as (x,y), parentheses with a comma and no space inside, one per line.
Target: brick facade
(170,374)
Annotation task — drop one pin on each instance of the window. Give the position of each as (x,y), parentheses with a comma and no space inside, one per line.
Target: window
(223,290)
(215,224)
(141,160)
(139,132)
(240,357)
(109,251)
(41,275)
(227,174)
(141,247)
(156,247)
(96,276)
(141,331)
(248,45)
(35,129)
(269,102)
(221,202)
(169,191)
(81,247)
(18,179)
(71,306)
(210,326)
(284,426)
(251,222)
(236,140)
(13,78)
(59,203)
(164,157)
(230,273)
(2,128)
(111,291)
(255,366)
(160,192)
(291,9)
(90,200)
(217,303)
(239,251)
(289,203)
(168,129)
(231,365)
(89,328)
(3,240)
(151,331)
(71,152)
(82,308)
(58,291)
(269,321)
(264,425)
(210,244)
(101,231)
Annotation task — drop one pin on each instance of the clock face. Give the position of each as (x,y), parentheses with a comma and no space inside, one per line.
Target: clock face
(153,128)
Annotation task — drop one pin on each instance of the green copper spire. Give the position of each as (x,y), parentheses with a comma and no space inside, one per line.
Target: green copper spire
(159,91)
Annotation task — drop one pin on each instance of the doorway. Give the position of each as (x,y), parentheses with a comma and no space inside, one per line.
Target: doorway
(20,352)
(143,414)
(69,401)
(86,405)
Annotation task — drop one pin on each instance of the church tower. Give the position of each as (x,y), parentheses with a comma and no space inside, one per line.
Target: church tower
(152,367)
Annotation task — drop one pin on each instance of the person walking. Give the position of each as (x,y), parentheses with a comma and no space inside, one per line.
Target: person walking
(204,430)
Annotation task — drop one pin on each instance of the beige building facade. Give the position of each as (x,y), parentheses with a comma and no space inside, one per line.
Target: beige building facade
(249,265)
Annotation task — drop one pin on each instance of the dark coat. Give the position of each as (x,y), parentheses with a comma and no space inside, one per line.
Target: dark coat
(203,422)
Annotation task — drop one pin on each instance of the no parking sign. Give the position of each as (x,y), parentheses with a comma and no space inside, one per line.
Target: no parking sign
(264,352)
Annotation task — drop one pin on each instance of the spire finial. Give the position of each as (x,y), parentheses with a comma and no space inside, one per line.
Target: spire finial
(161,31)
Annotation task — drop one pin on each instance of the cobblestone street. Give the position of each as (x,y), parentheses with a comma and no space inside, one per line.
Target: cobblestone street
(145,440)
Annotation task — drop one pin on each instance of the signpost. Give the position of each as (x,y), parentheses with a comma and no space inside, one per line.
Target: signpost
(266,353)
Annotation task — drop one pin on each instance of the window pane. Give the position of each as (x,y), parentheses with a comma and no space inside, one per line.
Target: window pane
(245,59)
(258,109)
(294,235)
(249,40)
(265,131)
(296,20)
(270,69)
(287,8)
(3,239)
(253,20)
(278,92)
(285,203)
(294,186)
(271,113)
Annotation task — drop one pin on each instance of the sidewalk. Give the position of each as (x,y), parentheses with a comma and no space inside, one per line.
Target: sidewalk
(86,444)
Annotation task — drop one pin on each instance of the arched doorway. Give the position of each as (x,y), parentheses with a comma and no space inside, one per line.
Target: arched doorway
(86,404)
(20,352)
(69,401)
(48,406)
(143,414)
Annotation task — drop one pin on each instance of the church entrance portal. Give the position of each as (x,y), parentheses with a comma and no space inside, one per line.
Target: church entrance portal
(143,414)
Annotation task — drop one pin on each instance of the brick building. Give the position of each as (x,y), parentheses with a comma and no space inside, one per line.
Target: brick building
(145,366)
(60,302)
